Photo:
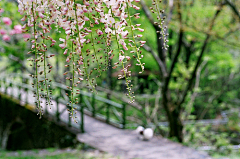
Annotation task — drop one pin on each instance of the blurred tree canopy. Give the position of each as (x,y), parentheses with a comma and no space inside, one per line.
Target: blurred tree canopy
(201,62)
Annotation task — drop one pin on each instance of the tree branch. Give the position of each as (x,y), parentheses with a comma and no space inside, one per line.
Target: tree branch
(189,50)
(159,61)
(178,49)
(233,8)
(170,12)
(195,93)
(214,97)
(200,57)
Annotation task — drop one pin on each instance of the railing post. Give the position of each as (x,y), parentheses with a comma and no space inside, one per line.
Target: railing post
(93,105)
(10,89)
(82,113)
(25,81)
(69,108)
(57,113)
(26,98)
(0,84)
(46,106)
(108,110)
(19,93)
(6,86)
(12,86)
(108,113)
(69,117)
(124,115)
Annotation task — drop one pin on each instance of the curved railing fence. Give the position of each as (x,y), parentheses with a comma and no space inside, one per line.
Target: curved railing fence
(19,86)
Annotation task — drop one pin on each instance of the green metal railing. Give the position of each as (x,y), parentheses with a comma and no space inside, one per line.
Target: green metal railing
(89,103)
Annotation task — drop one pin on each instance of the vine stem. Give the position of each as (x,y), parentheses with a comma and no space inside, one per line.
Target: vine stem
(161,26)
(137,50)
(85,68)
(73,75)
(94,46)
(36,63)
(125,75)
(45,75)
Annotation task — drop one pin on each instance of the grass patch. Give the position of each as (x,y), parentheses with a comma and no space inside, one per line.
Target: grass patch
(233,155)
(52,153)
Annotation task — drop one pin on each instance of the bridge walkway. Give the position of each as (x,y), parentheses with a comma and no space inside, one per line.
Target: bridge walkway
(100,135)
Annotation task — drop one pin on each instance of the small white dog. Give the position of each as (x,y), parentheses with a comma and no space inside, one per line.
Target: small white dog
(144,134)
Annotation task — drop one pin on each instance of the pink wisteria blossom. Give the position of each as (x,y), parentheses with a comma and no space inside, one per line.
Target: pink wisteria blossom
(64,44)
(121,58)
(88,31)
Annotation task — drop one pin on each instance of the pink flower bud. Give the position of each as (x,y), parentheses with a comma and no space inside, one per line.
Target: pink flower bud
(121,58)
(125,47)
(1,10)
(67,60)
(47,23)
(141,30)
(6,37)
(99,32)
(7,21)
(24,26)
(97,9)
(86,18)
(142,42)
(65,52)
(96,22)
(18,29)
(85,10)
(87,3)
(62,45)
(24,18)
(2,32)
(12,32)
(41,15)
(26,36)
(136,7)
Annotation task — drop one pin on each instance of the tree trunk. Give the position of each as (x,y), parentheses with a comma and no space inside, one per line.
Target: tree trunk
(175,125)
(173,114)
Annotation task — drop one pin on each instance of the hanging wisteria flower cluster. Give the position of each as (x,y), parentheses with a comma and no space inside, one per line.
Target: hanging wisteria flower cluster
(95,32)
(160,22)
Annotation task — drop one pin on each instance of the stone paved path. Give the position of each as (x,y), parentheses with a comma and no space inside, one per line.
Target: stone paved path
(124,143)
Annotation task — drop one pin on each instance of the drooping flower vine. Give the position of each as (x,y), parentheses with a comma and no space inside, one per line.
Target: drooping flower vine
(160,22)
(92,30)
